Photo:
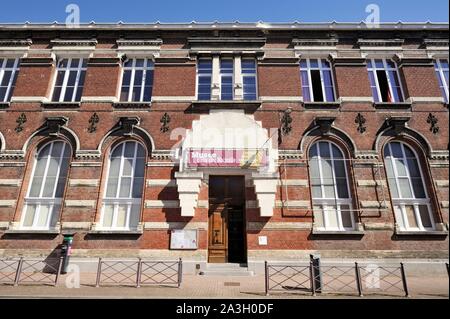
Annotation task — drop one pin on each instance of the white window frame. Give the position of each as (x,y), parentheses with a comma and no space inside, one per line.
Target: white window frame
(322,83)
(80,68)
(329,204)
(3,69)
(244,75)
(204,75)
(440,71)
(222,75)
(415,202)
(133,68)
(386,68)
(116,201)
(43,201)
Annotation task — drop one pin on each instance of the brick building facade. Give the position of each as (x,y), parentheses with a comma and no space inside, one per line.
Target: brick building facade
(260,141)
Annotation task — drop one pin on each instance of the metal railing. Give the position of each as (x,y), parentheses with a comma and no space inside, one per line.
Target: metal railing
(139,272)
(9,270)
(335,279)
(38,271)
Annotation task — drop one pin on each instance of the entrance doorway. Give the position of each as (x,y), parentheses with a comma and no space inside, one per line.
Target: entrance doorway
(227,231)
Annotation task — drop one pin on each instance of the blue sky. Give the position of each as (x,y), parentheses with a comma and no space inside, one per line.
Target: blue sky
(223,10)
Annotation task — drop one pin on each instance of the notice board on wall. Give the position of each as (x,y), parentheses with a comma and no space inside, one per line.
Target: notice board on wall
(184,239)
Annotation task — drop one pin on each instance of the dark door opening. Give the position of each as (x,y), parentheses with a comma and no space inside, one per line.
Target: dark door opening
(227,231)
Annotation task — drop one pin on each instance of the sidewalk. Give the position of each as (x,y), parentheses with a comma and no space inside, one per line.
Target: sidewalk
(209,287)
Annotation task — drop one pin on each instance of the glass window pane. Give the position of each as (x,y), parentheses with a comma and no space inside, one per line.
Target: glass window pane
(313,63)
(29,215)
(405,189)
(346,216)
(401,167)
(396,150)
(135,215)
(399,217)
(127,166)
(331,213)
(126,78)
(324,149)
(117,151)
(318,217)
(49,187)
(111,188)
(72,78)
(125,187)
(108,213)
(36,186)
(139,63)
(114,167)
(303,64)
(413,167)
(417,184)
(68,96)
(122,213)
(129,149)
(379,64)
(137,187)
(411,216)
(43,216)
(6,78)
(140,152)
(425,216)
(63,63)
(341,184)
(139,167)
(75,63)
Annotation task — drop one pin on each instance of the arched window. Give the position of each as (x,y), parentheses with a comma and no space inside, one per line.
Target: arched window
(412,206)
(46,190)
(332,201)
(124,187)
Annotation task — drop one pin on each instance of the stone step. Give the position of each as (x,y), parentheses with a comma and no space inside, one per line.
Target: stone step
(225,272)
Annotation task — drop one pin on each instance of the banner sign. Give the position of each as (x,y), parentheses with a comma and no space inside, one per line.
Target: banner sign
(243,158)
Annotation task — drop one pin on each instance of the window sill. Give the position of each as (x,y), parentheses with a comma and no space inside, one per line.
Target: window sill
(421,233)
(60,105)
(132,105)
(321,105)
(116,232)
(32,231)
(338,233)
(247,106)
(4,105)
(392,105)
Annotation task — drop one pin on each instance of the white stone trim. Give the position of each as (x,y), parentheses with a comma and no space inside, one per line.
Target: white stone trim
(439,183)
(97,99)
(80,203)
(425,99)
(10,182)
(162,204)
(303,204)
(279,226)
(4,225)
(379,226)
(7,202)
(76,225)
(356,99)
(275,99)
(161,164)
(175,225)
(86,164)
(12,164)
(373,204)
(293,182)
(161,183)
(444,204)
(29,99)
(173,98)
(204,203)
(370,183)
(84,182)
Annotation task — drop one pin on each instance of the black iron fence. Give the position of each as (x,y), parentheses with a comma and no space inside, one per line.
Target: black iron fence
(335,278)
(139,272)
(30,271)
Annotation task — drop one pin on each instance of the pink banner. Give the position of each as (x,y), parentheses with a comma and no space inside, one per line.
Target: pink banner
(227,158)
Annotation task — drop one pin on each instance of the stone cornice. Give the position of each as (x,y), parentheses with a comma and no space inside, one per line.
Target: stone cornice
(380,42)
(139,42)
(427,43)
(73,42)
(314,42)
(15,43)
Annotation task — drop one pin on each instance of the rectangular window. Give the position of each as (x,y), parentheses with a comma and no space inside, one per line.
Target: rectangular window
(70,77)
(441,68)
(9,69)
(226,79)
(137,80)
(384,81)
(204,74)
(317,80)
(249,79)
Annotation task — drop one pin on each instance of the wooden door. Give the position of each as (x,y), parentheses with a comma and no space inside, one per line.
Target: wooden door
(226,220)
